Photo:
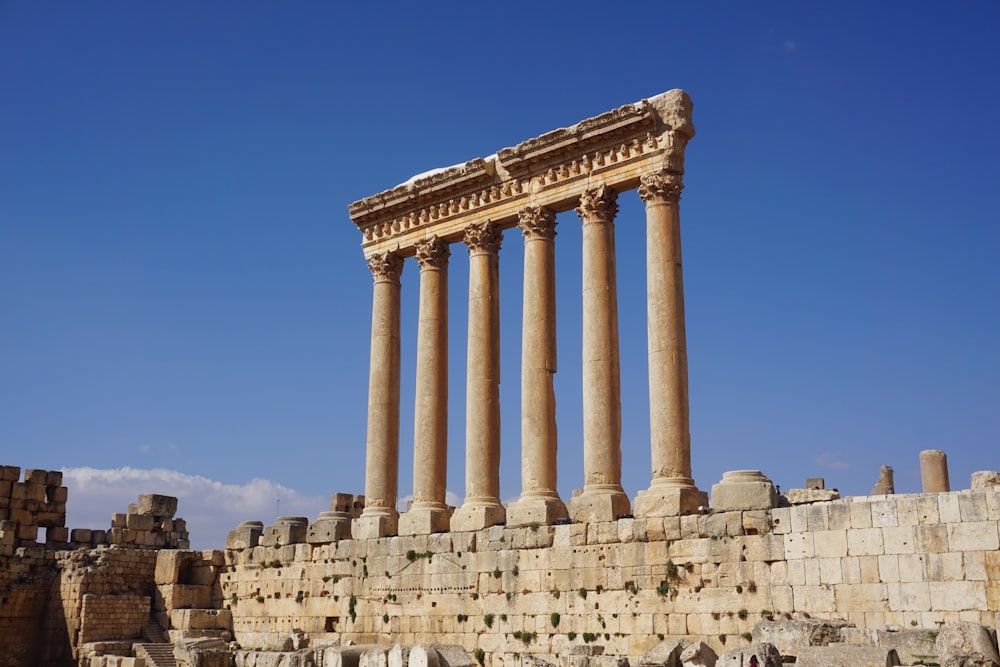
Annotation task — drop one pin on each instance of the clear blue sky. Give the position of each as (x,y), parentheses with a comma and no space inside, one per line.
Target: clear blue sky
(181,287)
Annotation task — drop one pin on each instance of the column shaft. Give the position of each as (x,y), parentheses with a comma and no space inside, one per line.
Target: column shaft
(603,498)
(429,513)
(482,507)
(539,501)
(382,446)
(672,491)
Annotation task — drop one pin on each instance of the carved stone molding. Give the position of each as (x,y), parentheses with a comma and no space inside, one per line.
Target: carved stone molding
(660,187)
(432,253)
(386,266)
(483,237)
(599,205)
(537,222)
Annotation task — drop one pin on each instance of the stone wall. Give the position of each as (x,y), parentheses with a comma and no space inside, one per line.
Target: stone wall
(110,617)
(37,502)
(908,560)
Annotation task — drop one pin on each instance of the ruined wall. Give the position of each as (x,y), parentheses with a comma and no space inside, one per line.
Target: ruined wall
(911,560)
(112,616)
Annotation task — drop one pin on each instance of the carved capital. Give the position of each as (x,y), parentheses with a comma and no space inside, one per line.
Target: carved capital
(537,222)
(432,253)
(386,267)
(660,187)
(600,205)
(483,237)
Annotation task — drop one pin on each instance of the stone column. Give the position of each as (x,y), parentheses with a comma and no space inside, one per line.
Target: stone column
(482,507)
(672,491)
(539,501)
(934,471)
(382,447)
(429,513)
(602,498)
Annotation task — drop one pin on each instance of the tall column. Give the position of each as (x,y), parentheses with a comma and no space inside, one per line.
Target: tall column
(539,501)
(603,498)
(672,491)
(482,507)
(379,517)
(429,513)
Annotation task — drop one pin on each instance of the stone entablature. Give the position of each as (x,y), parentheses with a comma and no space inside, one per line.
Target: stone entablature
(551,171)
(914,561)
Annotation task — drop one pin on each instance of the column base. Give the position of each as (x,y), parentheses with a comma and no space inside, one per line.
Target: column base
(476,515)
(541,510)
(424,519)
(373,526)
(667,500)
(598,504)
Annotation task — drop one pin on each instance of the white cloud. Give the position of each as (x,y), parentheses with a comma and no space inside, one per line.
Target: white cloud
(210,508)
(832,460)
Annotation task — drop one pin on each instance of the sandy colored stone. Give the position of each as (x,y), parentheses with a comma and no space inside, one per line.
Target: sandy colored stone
(743,490)
(934,471)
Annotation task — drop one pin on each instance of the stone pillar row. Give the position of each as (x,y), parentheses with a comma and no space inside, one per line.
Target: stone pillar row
(672,491)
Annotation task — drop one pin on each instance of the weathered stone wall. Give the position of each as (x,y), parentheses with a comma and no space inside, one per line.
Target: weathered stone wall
(910,560)
(38,502)
(109,617)
(25,580)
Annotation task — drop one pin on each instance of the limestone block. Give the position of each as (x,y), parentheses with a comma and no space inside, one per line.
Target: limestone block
(245,536)
(98,537)
(799,545)
(948,508)
(957,595)
(790,635)
(157,505)
(329,527)
(898,540)
(830,543)
(139,522)
(10,473)
(807,496)
(984,479)
(883,513)
(846,656)
(664,654)
(200,619)
(743,490)
(697,654)
(765,655)
(973,536)
(450,655)
(26,532)
(865,542)
(286,530)
(57,534)
(972,506)
(861,514)
(960,644)
(81,535)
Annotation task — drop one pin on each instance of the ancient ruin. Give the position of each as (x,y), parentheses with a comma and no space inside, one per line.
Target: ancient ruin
(750,576)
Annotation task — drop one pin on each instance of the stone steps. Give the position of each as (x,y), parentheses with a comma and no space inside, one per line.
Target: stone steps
(156,655)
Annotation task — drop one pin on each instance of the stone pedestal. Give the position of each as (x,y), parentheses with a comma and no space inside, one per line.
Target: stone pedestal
(244,536)
(425,518)
(934,471)
(665,499)
(370,526)
(329,527)
(742,490)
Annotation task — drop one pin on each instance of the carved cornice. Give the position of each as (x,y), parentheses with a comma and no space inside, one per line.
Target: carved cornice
(599,205)
(386,266)
(661,187)
(483,237)
(432,253)
(537,222)
(612,148)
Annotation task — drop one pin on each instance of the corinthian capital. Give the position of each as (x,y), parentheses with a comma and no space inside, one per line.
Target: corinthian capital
(660,187)
(537,222)
(483,237)
(432,253)
(599,205)
(386,266)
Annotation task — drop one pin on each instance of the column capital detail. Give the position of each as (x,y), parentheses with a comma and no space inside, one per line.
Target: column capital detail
(386,267)
(483,237)
(432,253)
(599,205)
(537,222)
(661,187)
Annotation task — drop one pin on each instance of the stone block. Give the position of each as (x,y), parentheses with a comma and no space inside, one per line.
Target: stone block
(830,543)
(329,527)
(10,473)
(846,656)
(781,520)
(157,505)
(56,534)
(119,520)
(36,477)
(865,542)
(58,494)
(948,507)
(765,655)
(789,636)
(662,501)
(27,532)
(974,536)
(898,540)
(743,490)
(139,522)
(245,536)
(81,535)
(807,496)
(861,514)
(883,513)
(472,517)
(286,530)
(664,654)
(966,644)
(985,479)
(957,595)
(698,653)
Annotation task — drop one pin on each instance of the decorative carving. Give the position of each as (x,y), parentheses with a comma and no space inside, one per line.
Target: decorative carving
(483,237)
(599,205)
(662,186)
(432,253)
(386,266)
(537,222)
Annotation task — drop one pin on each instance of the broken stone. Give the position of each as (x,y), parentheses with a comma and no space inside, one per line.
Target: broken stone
(842,655)
(766,655)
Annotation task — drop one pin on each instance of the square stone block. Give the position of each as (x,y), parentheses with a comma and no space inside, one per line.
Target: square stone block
(473,517)
(245,536)
(543,510)
(662,501)
(374,527)
(157,505)
(329,527)
(599,505)
(424,520)
(139,521)
(743,490)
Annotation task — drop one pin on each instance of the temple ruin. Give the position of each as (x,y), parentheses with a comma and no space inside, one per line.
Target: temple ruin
(749,576)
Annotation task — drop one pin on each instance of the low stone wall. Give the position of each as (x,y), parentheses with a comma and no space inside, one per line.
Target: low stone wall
(909,560)
(110,617)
